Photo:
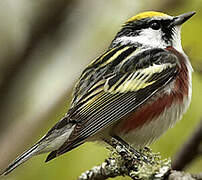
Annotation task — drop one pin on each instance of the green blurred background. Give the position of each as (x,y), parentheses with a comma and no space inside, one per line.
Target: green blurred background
(44,47)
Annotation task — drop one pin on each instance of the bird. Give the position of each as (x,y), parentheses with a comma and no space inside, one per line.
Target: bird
(133,92)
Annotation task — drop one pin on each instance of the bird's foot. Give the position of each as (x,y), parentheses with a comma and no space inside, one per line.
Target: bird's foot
(128,152)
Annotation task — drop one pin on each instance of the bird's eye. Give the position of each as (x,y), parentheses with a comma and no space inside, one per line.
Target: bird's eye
(155,25)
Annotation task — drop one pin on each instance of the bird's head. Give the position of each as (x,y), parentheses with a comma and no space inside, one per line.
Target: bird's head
(152,29)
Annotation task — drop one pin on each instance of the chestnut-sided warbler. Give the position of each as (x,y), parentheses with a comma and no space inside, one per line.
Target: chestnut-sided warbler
(135,91)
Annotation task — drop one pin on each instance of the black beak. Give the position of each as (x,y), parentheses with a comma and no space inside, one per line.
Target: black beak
(179,20)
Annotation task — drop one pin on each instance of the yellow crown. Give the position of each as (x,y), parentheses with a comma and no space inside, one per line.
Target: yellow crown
(147,14)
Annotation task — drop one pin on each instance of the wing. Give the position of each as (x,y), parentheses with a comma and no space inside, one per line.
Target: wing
(125,83)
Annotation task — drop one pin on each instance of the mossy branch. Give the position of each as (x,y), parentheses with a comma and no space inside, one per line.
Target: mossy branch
(123,162)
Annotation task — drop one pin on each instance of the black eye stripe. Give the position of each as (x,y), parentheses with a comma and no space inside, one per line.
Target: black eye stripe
(134,28)
(144,24)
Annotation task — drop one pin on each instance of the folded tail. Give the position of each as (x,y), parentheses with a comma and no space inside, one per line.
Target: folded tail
(52,141)
(20,159)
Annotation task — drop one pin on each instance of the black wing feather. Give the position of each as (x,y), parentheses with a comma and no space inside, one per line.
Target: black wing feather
(115,106)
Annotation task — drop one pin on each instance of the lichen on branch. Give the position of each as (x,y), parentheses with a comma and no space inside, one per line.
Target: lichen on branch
(123,162)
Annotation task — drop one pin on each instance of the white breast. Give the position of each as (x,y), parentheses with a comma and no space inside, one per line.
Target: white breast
(153,129)
(149,132)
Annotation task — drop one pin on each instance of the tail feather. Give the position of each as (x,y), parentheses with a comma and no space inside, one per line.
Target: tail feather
(21,159)
(52,141)
(58,152)
(51,156)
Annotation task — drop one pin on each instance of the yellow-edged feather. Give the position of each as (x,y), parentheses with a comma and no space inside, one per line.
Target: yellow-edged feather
(137,80)
(99,59)
(114,56)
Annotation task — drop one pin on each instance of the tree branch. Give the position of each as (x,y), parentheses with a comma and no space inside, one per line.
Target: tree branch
(190,150)
(177,175)
(113,168)
(107,169)
(123,162)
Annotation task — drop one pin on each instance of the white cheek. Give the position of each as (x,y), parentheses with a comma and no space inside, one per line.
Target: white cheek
(148,37)
(176,42)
